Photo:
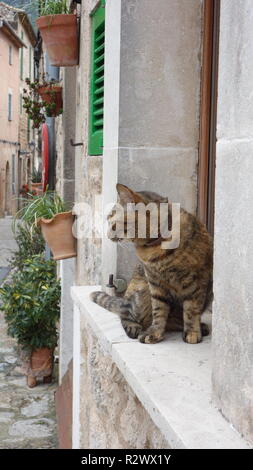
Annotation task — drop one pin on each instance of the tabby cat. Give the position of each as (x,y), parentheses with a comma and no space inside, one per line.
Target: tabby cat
(170,288)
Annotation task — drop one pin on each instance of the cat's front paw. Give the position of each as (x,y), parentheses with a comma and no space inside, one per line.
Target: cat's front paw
(192,337)
(132,329)
(151,336)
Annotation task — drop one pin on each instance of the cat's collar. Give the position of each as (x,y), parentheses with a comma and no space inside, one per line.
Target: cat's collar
(155,242)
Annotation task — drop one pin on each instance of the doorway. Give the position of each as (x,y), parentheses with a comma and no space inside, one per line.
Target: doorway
(7,207)
(208,114)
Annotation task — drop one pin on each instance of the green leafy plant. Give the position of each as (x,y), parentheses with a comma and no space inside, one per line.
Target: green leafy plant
(36,176)
(37,207)
(36,108)
(31,304)
(54,7)
(29,244)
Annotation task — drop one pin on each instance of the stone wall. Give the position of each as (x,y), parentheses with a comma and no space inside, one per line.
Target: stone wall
(233,260)
(152,104)
(65,186)
(88,169)
(111,416)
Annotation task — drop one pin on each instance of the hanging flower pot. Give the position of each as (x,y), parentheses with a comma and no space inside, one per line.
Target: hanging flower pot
(60,36)
(52,95)
(58,234)
(40,365)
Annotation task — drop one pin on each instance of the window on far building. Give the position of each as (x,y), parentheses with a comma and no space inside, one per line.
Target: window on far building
(30,62)
(28,129)
(21,103)
(22,58)
(10,55)
(9,107)
(13,174)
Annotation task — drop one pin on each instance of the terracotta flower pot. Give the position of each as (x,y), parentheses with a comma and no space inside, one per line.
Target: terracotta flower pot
(41,365)
(37,188)
(52,94)
(60,36)
(58,234)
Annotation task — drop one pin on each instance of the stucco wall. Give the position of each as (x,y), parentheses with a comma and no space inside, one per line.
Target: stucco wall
(9,83)
(233,260)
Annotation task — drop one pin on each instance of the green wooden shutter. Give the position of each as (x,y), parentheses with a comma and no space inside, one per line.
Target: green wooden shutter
(96,123)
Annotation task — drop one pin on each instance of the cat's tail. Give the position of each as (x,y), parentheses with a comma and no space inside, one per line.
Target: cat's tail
(114,304)
(123,307)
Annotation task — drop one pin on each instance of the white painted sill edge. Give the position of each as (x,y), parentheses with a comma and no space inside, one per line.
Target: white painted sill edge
(171,379)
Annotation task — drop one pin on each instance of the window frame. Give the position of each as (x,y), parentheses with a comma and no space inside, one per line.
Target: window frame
(9,106)
(10,55)
(13,183)
(22,58)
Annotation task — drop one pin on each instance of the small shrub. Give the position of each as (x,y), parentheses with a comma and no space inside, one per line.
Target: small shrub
(29,244)
(31,304)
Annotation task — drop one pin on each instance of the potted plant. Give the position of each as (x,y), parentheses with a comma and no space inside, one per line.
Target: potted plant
(31,307)
(41,99)
(51,95)
(36,182)
(59,31)
(51,214)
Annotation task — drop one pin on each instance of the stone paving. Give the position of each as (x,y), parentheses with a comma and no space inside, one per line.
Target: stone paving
(7,242)
(27,416)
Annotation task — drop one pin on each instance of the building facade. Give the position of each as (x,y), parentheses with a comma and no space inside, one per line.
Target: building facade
(19,58)
(160,101)
(9,117)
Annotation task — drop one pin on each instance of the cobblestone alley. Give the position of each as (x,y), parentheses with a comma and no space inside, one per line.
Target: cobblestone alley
(27,416)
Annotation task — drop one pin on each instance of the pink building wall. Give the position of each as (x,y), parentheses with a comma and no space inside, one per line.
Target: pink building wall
(9,84)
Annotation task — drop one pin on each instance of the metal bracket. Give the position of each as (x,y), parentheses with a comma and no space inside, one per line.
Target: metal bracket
(78,144)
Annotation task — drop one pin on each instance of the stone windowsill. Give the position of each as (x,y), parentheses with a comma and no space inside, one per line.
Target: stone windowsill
(172,380)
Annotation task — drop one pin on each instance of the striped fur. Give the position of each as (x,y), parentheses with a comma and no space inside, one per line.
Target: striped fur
(170,289)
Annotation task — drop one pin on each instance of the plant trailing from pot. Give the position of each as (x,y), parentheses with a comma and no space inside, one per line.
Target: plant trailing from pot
(59,31)
(52,215)
(30,303)
(41,99)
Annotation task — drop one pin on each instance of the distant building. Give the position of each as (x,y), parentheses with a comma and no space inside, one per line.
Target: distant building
(9,116)
(18,48)
(31,8)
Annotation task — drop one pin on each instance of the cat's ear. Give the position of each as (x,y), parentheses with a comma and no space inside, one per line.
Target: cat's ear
(126,195)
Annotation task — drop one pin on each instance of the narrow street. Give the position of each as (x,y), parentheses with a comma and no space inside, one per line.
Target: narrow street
(7,245)
(27,416)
